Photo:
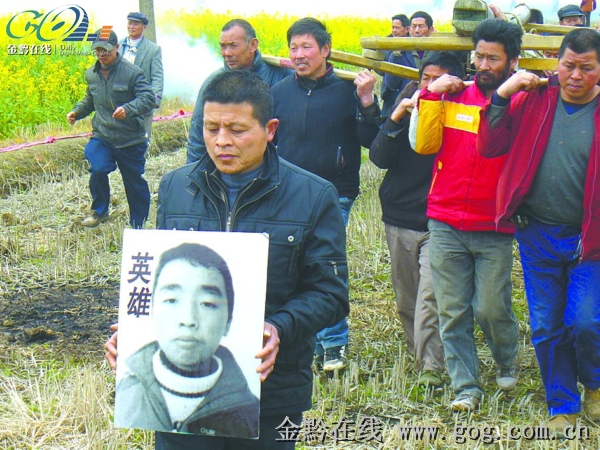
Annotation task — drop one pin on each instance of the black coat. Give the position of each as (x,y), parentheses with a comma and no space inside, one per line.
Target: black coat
(404,189)
(322,129)
(307,280)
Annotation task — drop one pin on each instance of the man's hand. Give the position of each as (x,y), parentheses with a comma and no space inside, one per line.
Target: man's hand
(268,354)
(446,84)
(71,117)
(365,83)
(519,81)
(498,14)
(407,104)
(119,113)
(111,348)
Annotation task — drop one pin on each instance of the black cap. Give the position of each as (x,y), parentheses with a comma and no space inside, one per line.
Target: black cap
(105,39)
(569,11)
(138,16)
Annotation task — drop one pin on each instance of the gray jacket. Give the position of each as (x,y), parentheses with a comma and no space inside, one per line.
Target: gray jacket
(149,58)
(125,86)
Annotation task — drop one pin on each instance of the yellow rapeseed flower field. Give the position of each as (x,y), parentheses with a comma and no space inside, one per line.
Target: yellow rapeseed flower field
(39,89)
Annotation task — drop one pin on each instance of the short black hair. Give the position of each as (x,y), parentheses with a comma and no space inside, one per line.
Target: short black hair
(422,15)
(199,256)
(244,24)
(495,30)
(582,40)
(238,87)
(311,27)
(536,16)
(402,18)
(444,60)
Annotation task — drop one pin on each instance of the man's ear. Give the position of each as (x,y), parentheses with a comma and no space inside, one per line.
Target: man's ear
(513,63)
(254,45)
(227,327)
(272,128)
(326,50)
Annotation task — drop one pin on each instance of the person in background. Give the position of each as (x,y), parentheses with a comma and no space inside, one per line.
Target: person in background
(142,52)
(121,97)
(470,256)
(239,49)
(403,196)
(570,15)
(550,187)
(420,25)
(587,7)
(323,121)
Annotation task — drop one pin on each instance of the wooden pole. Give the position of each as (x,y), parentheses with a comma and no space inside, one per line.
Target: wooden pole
(452,42)
(285,62)
(380,66)
(147,7)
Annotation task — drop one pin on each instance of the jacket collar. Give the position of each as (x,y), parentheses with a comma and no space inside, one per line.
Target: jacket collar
(258,61)
(320,81)
(205,171)
(98,66)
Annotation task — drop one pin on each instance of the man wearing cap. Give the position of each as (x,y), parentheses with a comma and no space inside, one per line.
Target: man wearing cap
(121,97)
(146,54)
(570,15)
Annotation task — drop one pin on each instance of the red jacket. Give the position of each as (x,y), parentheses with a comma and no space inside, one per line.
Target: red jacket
(463,188)
(523,133)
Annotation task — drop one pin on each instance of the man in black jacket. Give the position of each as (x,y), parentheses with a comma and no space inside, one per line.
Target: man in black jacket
(239,49)
(241,185)
(403,195)
(323,121)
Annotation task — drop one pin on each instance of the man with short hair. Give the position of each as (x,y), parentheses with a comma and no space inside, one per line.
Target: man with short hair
(570,15)
(185,381)
(550,186)
(138,50)
(420,25)
(239,49)
(470,256)
(323,121)
(121,97)
(403,195)
(400,25)
(241,185)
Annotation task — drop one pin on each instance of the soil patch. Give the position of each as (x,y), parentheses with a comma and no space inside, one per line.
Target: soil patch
(70,321)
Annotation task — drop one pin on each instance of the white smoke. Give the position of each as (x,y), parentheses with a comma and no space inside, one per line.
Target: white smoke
(186,65)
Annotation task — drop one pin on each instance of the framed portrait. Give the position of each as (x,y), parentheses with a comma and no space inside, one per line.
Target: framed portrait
(191,320)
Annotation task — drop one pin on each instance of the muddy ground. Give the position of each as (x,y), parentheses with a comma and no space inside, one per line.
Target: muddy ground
(73,322)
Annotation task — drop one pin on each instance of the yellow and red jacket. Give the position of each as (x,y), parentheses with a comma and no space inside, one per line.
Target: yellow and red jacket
(463,188)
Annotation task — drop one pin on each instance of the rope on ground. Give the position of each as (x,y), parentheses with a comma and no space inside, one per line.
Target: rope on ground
(51,139)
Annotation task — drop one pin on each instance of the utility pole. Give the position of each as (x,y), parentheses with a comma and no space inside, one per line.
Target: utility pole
(147,7)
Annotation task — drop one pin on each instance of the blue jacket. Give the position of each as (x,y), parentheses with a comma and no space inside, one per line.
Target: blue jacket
(268,73)
(322,128)
(307,281)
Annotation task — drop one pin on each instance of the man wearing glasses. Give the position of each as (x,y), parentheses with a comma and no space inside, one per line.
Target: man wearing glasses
(121,96)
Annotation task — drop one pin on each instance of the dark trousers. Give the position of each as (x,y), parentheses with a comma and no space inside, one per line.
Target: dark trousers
(272,432)
(104,158)
(564,308)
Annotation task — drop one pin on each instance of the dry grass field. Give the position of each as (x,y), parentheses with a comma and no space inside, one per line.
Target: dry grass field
(58,294)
